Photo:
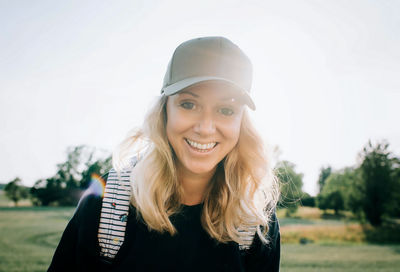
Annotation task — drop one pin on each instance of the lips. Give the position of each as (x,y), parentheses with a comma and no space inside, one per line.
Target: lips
(205,147)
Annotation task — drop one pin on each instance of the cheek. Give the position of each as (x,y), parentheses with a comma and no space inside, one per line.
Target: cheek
(232,131)
(176,125)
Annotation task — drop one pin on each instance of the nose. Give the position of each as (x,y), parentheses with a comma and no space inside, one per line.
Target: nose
(205,124)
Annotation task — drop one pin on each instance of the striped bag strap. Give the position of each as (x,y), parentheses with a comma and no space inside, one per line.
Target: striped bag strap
(114,211)
(247,237)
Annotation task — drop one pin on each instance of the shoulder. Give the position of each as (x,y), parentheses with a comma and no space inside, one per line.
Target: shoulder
(274,230)
(105,176)
(90,203)
(88,207)
(265,257)
(272,235)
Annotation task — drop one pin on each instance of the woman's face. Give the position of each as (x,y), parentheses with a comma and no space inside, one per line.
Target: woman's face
(203,125)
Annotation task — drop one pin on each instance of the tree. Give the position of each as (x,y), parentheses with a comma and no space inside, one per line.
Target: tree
(15,190)
(47,191)
(99,167)
(71,179)
(378,182)
(394,209)
(291,186)
(335,201)
(323,175)
(337,189)
(307,200)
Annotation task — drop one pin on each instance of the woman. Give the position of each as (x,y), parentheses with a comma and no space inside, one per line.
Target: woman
(203,192)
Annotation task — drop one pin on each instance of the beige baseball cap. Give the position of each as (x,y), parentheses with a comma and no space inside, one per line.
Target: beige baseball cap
(209,59)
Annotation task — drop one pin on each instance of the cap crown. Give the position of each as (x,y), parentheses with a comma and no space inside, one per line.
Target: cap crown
(208,58)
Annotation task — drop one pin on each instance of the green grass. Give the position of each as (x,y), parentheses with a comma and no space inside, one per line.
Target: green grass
(352,258)
(29,236)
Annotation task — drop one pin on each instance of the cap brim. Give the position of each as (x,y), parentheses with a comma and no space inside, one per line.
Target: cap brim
(187,82)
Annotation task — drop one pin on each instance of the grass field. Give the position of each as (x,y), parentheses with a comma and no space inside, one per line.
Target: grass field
(347,257)
(29,236)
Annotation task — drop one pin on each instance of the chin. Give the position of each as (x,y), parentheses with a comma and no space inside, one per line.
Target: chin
(200,169)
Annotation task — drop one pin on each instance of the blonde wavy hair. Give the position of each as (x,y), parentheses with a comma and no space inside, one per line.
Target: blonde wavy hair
(239,201)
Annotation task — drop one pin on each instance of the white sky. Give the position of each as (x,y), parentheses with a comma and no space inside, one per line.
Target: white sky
(326,74)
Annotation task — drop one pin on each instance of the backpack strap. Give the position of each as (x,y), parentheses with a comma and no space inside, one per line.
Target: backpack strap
(114,211)
(248,237)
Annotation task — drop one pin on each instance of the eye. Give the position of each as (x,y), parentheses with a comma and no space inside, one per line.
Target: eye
(187,105)
(226,111)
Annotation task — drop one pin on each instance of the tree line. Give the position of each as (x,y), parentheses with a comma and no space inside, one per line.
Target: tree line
(67,185)
(371,189)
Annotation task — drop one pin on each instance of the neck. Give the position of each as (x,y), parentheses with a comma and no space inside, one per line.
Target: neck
(194,185)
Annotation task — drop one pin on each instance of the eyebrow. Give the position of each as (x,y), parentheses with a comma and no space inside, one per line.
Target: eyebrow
(188,92)
(226,98)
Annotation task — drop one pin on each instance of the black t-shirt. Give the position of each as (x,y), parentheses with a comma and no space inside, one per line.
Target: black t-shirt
(191,249)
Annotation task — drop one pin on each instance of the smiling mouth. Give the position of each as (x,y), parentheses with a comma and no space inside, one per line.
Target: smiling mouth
(201,147)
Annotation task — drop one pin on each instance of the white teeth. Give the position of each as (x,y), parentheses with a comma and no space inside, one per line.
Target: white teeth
(201,146)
